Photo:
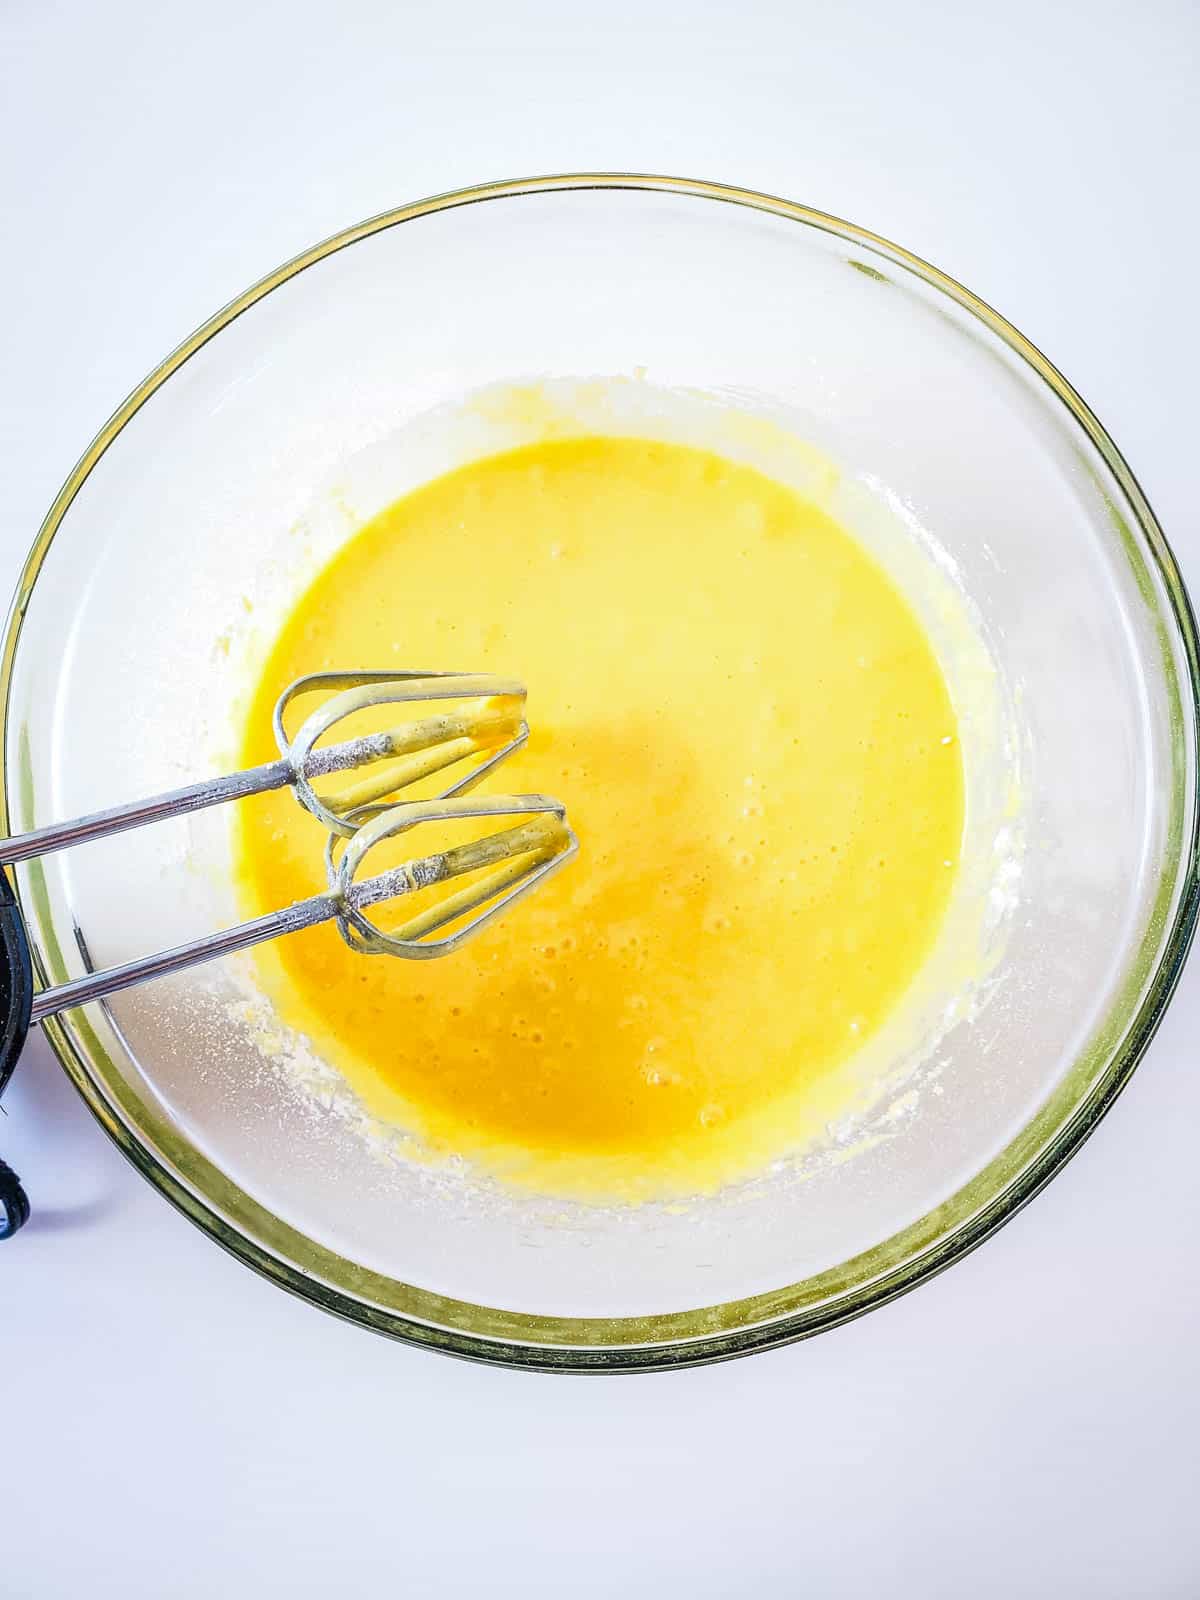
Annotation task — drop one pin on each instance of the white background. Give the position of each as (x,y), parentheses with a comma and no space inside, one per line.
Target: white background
(1027,1425)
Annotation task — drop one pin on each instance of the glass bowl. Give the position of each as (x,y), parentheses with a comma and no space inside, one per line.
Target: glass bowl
(261,443)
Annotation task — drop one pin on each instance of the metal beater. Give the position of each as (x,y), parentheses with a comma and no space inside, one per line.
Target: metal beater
(483,724)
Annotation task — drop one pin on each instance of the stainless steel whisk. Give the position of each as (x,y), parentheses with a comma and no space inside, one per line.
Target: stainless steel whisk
(485,726)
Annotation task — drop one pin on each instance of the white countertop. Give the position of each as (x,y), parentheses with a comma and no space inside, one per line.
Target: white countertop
(172,1425)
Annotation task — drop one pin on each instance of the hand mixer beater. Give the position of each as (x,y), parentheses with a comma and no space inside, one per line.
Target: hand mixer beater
(485,726)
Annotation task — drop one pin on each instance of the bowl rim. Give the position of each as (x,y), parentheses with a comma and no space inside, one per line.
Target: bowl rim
(906,1258)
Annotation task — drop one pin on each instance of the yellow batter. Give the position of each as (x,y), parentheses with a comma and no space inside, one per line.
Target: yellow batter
(758,752)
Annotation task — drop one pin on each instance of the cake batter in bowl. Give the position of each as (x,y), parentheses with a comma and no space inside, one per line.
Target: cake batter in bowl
(519,322)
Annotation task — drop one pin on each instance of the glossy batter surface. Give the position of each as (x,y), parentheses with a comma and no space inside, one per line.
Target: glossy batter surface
(759,755)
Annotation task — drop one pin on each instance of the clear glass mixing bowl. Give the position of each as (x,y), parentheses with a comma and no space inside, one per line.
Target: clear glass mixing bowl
(120,679)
